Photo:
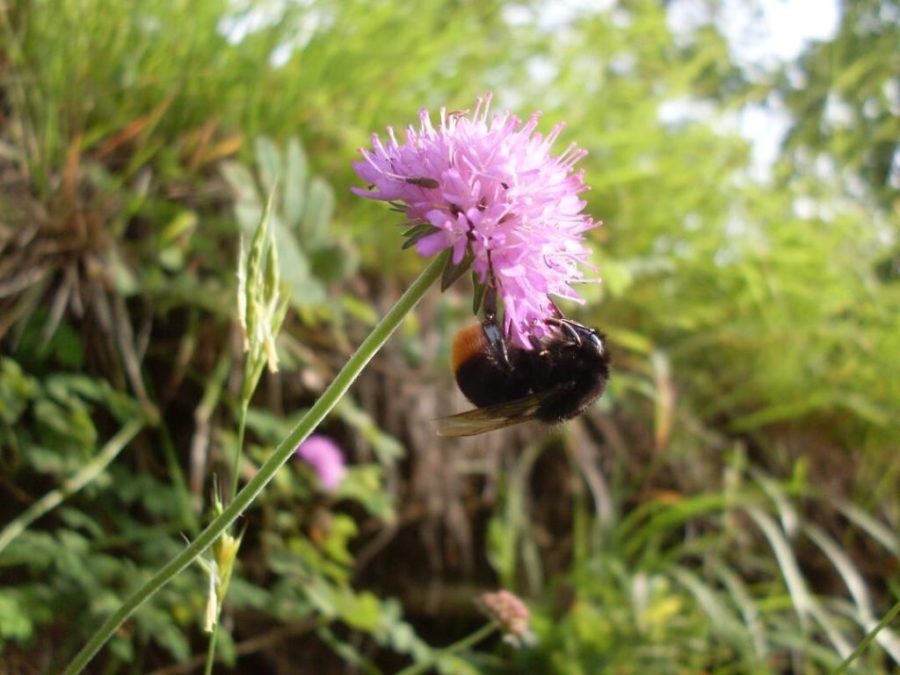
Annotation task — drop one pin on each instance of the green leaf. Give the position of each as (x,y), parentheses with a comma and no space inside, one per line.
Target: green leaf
(387,448)
(322,596)
(364,484)
(319,211)
(333,261)
(304,289)
(268,158)
(243,184)
(360,611)
(295,183)
(342,529)
(15,623)
(16,390)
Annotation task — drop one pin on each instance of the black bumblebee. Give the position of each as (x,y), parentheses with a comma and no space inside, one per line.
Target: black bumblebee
(562,375)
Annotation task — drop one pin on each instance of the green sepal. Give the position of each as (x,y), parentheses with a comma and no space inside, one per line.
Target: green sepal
(414,234)
(453,272)
(477,293)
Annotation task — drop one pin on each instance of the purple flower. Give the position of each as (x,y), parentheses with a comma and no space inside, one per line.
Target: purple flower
(487,188)
(325,458)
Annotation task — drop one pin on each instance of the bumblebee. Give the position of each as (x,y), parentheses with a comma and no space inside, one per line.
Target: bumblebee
(556,380)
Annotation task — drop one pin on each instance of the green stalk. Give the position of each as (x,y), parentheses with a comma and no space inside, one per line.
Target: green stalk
(267,471)
(236,460)
(872,634)
(87,474)
(235,470)
(211,649)
(465,643)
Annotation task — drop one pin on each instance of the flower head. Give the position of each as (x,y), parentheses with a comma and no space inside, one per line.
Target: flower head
(261,304)
(325,458)
(487,188)
(511,613)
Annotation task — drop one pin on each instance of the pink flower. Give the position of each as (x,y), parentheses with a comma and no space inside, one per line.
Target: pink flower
(325,458)
(487,188)
(511,613)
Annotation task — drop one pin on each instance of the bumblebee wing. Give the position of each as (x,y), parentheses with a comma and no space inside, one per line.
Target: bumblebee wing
(489,418)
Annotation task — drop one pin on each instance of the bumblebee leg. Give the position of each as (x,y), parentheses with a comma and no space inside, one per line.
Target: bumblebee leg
(489,303)
(494,336)
(570,327)
(493,332)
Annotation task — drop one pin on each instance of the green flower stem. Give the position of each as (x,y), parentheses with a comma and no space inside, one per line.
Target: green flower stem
(235,473)
(467,642)
(267,471)
(236,460)
(211,649)
(872,634)
(87,474)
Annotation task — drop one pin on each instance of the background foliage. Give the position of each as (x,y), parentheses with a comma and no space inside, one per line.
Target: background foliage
(731,505)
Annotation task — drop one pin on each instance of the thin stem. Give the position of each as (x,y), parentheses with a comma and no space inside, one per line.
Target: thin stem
(235,469)
(465,643)
(87,474)
(267,471)
(236,461)
(248,646)
(211,650)
(870,637)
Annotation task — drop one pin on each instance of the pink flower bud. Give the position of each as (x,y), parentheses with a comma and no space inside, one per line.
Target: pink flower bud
(325,458)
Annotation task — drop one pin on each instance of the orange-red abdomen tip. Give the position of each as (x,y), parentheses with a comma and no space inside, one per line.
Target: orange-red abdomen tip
(469,342)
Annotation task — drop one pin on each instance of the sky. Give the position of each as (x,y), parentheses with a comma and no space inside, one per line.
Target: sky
(762,34)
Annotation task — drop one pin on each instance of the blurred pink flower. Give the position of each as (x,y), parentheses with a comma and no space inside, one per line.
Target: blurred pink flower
(487,188)
(325,458)
(511,613)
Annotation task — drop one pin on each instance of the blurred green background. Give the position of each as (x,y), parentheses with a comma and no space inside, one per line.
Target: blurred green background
(730,505)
